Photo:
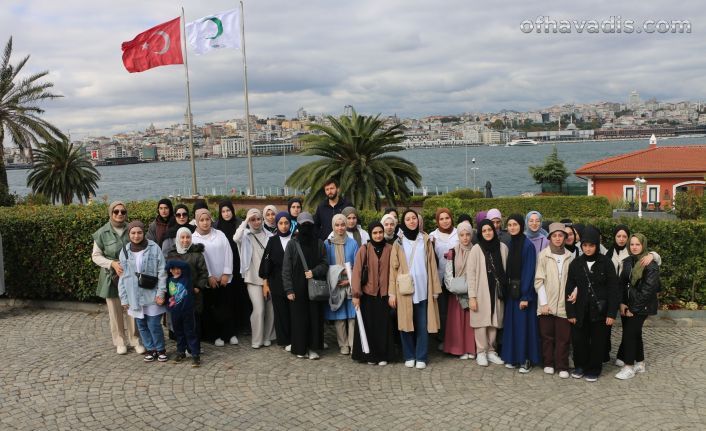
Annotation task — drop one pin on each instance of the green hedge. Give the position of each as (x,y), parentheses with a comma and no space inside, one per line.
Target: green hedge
(551,207)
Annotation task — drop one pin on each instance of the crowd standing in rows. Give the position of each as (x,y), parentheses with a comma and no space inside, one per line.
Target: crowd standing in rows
(527,295)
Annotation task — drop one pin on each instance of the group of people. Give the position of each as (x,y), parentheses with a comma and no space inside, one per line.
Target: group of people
(522,292)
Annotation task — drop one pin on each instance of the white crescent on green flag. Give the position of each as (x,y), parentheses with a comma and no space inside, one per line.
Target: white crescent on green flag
(214,31)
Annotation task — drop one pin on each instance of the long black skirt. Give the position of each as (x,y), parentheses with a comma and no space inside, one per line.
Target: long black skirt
(378,328)
(217,318)
(307,324)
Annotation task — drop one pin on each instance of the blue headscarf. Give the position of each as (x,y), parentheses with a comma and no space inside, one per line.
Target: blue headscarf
(281,215)
(540,232)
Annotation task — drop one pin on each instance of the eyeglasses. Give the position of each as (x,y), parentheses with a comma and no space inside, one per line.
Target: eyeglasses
(116,212)
(181,214)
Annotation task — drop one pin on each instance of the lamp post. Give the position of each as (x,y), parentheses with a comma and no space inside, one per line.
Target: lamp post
(466,147)
(639,185)
(474,168)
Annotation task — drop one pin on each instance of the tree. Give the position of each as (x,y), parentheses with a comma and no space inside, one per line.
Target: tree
(553,171)
(19,108)
(354,151)
(61,172)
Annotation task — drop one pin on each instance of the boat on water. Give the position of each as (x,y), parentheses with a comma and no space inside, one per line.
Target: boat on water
(521,143)
(18,166)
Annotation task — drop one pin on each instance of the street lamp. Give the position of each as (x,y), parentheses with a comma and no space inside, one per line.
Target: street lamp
(639,185)
(474,169)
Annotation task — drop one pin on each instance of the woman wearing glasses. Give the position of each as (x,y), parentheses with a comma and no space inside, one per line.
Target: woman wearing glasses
(181,217)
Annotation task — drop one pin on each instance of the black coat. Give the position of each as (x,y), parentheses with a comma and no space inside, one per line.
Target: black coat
(641,298)
(324,215)
(606,290)
(271,265)
(293,280)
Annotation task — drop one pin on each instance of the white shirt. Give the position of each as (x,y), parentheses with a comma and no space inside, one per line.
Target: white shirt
(443,242)
(418,268)
(217,253)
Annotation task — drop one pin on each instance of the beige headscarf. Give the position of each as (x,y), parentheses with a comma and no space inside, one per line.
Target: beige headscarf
(339,241)
(111,207)
(461,250)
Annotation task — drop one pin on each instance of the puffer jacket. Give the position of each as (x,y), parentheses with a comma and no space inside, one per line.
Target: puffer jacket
(641,298)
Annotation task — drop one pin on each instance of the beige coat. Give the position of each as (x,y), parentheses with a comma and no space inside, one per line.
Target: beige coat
(547,275)
(478,288)
(398,265)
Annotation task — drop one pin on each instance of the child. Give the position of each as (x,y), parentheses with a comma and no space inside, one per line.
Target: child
(181,306)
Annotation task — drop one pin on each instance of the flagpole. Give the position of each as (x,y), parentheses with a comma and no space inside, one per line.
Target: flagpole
(188,109)
(251,179)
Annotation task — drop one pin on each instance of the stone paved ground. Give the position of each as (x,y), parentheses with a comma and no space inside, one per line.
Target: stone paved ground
(59,372)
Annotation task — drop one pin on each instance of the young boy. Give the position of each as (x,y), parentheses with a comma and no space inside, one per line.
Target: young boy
(181,307)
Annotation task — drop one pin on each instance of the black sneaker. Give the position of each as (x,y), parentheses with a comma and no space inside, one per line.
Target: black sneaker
(150,356)
(195,362)
(179,357)
(162,357)
(577,373)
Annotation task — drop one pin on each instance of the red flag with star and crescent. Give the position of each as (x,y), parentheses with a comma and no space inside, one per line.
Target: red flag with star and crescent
(158,46)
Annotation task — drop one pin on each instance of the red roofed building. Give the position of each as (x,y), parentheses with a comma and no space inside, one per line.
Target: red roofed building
(667,170)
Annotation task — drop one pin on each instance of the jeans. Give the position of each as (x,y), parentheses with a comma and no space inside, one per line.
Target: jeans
(151,332)
(415,344)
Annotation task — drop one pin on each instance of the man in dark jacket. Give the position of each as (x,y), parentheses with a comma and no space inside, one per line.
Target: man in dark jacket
(333,205)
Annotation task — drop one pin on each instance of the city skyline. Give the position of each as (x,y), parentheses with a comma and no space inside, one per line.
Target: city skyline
(412,59)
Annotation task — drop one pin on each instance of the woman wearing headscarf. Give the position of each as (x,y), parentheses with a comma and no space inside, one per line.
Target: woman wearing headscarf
(217,318)
(444,238)
(159,227)
(341,250)
(487,285)
(389,224)
(307,316)
(294,208)
(251,239)
(181,219)
(369,284)
(142,258)
(521,329)
(184,249)
(413,257)
(593,311)
(640,286)
(271,273)
(550,283)
(459,338)
(353,229)
(108,241)
(534,231)
(570,241)
(268,219)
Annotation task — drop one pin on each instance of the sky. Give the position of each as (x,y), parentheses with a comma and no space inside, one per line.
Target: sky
(406,57)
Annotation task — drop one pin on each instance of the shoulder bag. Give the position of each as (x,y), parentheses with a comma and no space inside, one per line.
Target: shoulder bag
(405,282)
(318,289)
(499,289)
(145,281)
(458,285)
(600,304)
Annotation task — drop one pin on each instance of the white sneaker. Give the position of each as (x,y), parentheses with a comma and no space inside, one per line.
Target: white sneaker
(267,343)
(640,367)
(495,359)
(471,356)
(325,345)
(482,359)
(313,355)
(464,356)
(510,366)
(619,363)
(345,350)
(382,363)
(122,350)
(548,370)
(219,343)
(255,346)
(525,370)
(140,349)
(288,348)
(234,340)
(409,364)
(564,374)
(626,373)
(421,365)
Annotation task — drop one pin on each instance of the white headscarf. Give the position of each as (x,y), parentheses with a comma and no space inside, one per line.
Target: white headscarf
(179,248)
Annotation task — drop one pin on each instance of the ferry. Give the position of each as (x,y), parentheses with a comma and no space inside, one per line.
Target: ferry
(521,143)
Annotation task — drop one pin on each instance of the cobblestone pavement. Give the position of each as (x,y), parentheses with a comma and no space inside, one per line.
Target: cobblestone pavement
(58,371)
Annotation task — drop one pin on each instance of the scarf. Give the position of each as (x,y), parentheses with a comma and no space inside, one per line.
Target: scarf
(377,246)
(461,251)
(251,213)
(439,212)
(616,249)
(532,234)
(491,251)
(339,241)
(137,247)
(387,237)
(228,227)
(353,230)
(636,273)
(270,228)
(198,215)
(410,234)
(280,215)
(182,230)
(517,242)
(464,217)
(111,207)
(172,231)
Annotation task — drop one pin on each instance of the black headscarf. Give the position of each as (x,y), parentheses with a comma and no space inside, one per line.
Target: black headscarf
(377,246)
(591,236)
(228,227)
(172,231)
(464,217)
(495,270)
(407,232)
(517,242)
(170,217)
(578,229)
(616,249)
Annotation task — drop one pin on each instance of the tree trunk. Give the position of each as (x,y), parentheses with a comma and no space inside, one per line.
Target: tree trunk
(3,171)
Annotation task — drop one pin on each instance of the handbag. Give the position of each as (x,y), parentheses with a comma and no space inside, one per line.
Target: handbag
(499,290)
(364,273)
(600,304)
(515,291)
(144,281)
(405,282)
(457,285)
(318,289)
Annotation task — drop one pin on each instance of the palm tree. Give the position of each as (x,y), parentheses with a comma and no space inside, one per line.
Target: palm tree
(353,151)
(61,172)
(19,108)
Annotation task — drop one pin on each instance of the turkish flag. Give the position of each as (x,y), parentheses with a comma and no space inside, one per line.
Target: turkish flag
(158,46)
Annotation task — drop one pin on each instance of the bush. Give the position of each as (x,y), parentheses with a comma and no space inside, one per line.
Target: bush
(7,199)
(465,194)
(688,205)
